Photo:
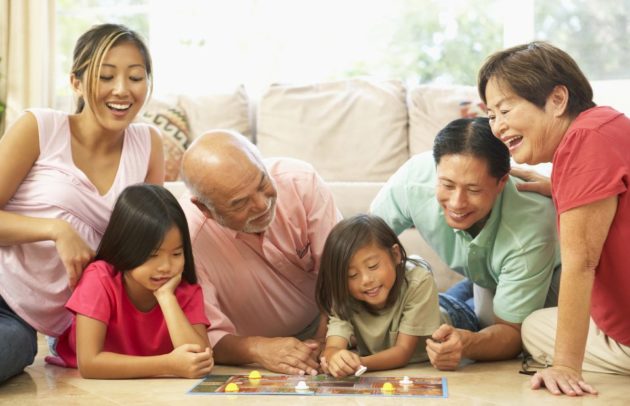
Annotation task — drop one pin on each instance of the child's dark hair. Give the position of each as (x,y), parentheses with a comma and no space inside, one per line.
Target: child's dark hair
(345,239)
(142,216)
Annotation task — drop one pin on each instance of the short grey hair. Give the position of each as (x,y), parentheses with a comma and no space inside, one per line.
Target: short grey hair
(194,191)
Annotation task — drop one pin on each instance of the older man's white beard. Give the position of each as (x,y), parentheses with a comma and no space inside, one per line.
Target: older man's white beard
(254,229)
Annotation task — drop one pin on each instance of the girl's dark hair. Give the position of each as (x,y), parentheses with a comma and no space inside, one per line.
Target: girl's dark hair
(142,216)
(473,136)
(533,70)
(90,51)
(345,239)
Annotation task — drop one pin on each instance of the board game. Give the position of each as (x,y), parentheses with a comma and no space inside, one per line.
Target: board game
(322,385)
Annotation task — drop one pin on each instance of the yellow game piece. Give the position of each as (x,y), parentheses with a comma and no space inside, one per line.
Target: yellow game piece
(231,387)
(387,387)
(255,375)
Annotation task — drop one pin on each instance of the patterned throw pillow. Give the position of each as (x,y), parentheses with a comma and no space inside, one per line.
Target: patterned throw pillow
(173,126)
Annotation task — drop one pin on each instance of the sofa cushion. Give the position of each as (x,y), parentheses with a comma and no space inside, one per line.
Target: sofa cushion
(172,124)
(348,130)
(431,107)
(226,110)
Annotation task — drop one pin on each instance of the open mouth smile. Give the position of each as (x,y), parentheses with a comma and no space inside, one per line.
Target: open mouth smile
(118,107)
(512,142)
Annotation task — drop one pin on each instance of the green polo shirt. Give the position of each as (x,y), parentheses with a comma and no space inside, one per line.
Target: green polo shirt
(514,254)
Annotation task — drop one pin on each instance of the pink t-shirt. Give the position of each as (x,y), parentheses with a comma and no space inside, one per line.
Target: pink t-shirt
(592,163)
(33,280)
(101,295)
(264,284)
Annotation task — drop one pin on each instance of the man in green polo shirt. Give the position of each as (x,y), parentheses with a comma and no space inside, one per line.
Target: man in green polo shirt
(465,205)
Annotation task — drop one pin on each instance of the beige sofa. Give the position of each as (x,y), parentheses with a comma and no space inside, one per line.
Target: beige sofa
(356,133)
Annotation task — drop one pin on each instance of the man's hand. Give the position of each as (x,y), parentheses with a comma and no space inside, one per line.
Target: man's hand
(288,355)
(535,182)
(445,348)
(317,346)
(562,380)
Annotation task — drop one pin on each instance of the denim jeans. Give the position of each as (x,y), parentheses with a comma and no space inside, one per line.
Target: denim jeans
(463,291)
(18,343)
(461,314)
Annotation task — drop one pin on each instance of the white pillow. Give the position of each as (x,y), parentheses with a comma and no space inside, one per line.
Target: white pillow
(431,107)
(348,130)
(228,110)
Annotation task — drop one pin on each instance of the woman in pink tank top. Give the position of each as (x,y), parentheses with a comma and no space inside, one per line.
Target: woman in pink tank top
(61,174)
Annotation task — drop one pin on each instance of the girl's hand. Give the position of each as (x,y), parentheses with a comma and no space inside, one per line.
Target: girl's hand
(343,363)
(188,361)
(170,286)
(73,251)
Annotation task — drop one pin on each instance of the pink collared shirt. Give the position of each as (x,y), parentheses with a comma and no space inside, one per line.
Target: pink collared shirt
(264,285)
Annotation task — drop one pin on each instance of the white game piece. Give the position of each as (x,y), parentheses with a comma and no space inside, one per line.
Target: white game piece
(406,381)
(361,370)
(301,386)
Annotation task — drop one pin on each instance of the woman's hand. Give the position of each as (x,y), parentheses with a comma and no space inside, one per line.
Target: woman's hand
(534,182)
(562,380)
(75,254)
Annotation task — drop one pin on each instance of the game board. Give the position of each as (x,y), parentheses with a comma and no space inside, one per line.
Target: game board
(325,385)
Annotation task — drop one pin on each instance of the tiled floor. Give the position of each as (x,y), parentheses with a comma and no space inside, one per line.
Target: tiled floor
(496,383)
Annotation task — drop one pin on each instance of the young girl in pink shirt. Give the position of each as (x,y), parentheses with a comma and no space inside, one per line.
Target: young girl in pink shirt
(138,307)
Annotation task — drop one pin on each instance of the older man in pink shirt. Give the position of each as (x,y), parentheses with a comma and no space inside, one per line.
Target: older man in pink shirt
(258,228)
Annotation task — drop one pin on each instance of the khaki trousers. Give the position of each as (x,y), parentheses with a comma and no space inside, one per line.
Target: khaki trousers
(603,354)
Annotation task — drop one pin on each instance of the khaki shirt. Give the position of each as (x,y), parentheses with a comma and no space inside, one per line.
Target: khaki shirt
(416,313)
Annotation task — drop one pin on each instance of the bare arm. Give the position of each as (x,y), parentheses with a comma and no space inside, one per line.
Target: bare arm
(449,345)
(179,328)
(155,173)
(584,231)
(394,357)
(499,341)
(19,149)
(188,361)
(337,360)
(286,355)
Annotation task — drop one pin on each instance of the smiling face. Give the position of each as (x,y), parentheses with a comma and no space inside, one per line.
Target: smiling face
(164,263)
(466,191)
(121,89)
(530,133)
(372,274)
(249,205)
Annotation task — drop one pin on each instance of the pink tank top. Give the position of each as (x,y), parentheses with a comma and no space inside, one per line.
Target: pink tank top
(33,280)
